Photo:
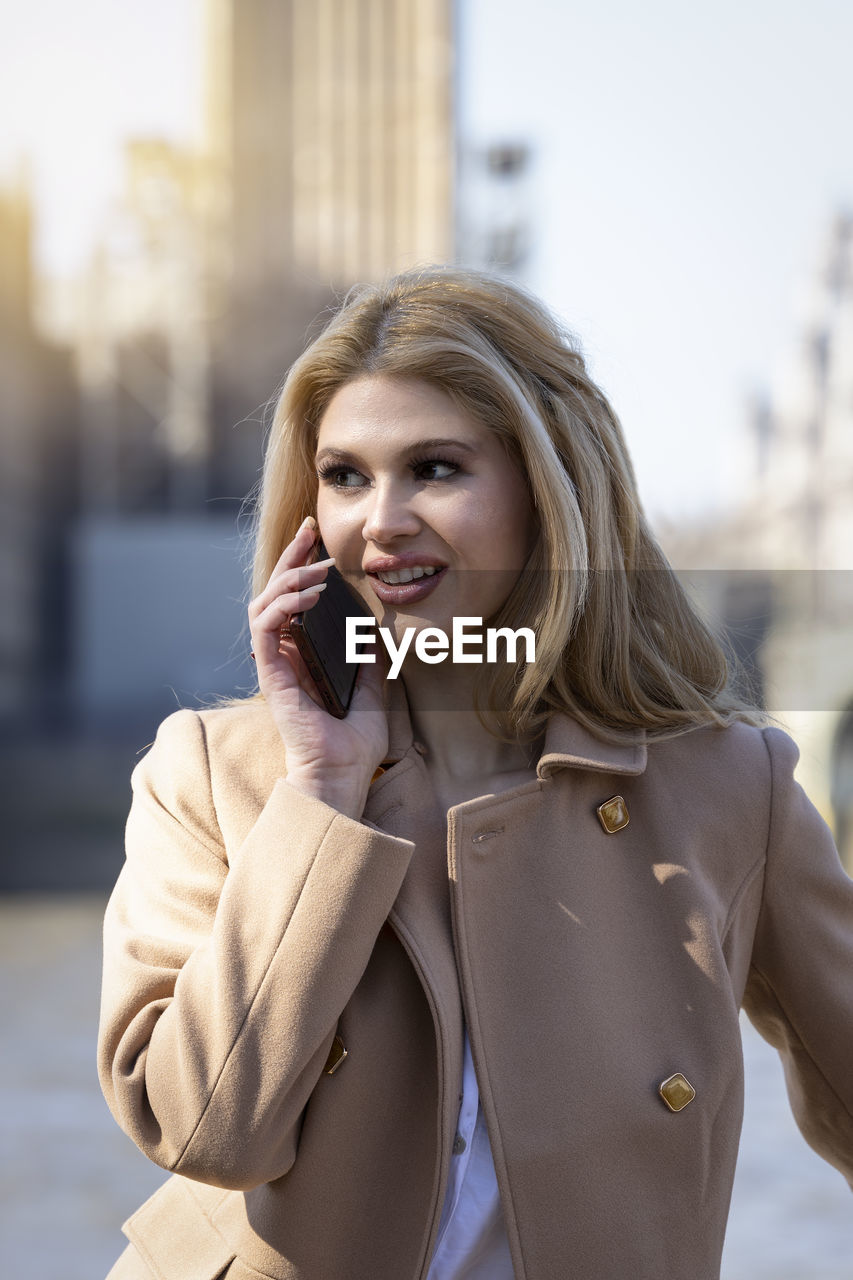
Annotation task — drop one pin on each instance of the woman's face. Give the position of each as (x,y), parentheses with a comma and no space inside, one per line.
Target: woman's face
(422,507)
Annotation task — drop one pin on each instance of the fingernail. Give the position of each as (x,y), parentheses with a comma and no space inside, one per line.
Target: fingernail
(308,523)
(321,586)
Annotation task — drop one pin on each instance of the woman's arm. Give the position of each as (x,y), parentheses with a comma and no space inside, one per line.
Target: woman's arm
(225,972)
(800,989)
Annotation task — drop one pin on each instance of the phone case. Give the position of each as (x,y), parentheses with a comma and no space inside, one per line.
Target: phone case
(320,637)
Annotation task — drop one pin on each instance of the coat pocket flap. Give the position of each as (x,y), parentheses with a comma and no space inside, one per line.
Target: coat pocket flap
(175,1237)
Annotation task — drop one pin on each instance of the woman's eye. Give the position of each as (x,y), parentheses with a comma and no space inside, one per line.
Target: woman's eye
(435,469)
(342,477)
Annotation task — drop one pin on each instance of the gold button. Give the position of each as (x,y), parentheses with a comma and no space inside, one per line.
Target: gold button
(613,814)
(677,1091)
(337,1053)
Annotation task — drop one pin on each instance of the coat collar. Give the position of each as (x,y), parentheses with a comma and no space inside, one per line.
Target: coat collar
(568,745)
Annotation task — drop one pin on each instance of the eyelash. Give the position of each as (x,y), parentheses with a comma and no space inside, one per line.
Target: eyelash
(330,470)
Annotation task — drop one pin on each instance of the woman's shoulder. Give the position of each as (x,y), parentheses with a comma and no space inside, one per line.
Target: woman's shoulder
(236,738)
(222,724)
(734,754)
(734,784)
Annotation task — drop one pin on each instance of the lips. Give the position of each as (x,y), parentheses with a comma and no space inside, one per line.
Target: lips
(402,580)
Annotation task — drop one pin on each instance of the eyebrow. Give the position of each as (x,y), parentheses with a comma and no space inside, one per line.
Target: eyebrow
(417,446)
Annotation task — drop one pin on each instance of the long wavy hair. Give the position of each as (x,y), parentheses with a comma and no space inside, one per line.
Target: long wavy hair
(619,646)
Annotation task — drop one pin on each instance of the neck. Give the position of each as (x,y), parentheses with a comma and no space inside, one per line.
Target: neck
(441,704)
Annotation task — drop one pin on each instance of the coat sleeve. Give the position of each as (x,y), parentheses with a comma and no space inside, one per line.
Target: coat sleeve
(799,994)
(225,972)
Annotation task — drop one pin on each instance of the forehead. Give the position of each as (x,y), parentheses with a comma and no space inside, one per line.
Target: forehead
(373,410)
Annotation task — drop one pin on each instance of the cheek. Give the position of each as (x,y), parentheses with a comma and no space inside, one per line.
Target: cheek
(522,524)
(339,528)
(502,531)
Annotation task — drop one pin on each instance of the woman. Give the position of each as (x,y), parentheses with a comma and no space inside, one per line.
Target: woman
(450,987)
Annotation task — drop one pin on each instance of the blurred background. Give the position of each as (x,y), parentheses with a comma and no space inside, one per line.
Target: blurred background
(186,186)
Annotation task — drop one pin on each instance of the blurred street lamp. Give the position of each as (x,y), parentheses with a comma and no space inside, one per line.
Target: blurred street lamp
(494,205)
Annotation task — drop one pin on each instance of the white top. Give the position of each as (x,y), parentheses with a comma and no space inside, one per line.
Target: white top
(472,1243)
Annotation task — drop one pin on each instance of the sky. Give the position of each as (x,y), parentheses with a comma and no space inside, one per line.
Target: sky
(75,79)
(689,160)
(687,163)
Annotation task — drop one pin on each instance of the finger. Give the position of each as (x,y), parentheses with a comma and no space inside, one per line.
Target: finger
(280,610)
(293,578)
(266,626)
(299,548)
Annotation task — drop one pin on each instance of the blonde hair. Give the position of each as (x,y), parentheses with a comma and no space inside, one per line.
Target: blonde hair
(618,644)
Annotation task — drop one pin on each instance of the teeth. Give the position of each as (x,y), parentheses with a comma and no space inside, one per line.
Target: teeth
(395,576)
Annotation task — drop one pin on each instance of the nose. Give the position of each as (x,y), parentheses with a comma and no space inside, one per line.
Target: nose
(389,514)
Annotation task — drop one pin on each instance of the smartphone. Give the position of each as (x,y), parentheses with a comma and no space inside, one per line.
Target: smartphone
(320,636)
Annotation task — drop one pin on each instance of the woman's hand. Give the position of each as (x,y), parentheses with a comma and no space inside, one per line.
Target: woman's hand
(333,760)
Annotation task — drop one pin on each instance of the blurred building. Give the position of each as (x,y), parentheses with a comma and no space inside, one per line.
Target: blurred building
(780,566)
(330,123)
(330,136)
(798,446)
(143,340)
(38,432)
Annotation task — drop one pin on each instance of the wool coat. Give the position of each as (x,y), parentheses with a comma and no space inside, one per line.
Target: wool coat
(286,989)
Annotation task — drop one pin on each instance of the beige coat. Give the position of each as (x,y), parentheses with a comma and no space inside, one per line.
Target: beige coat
(252,926)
